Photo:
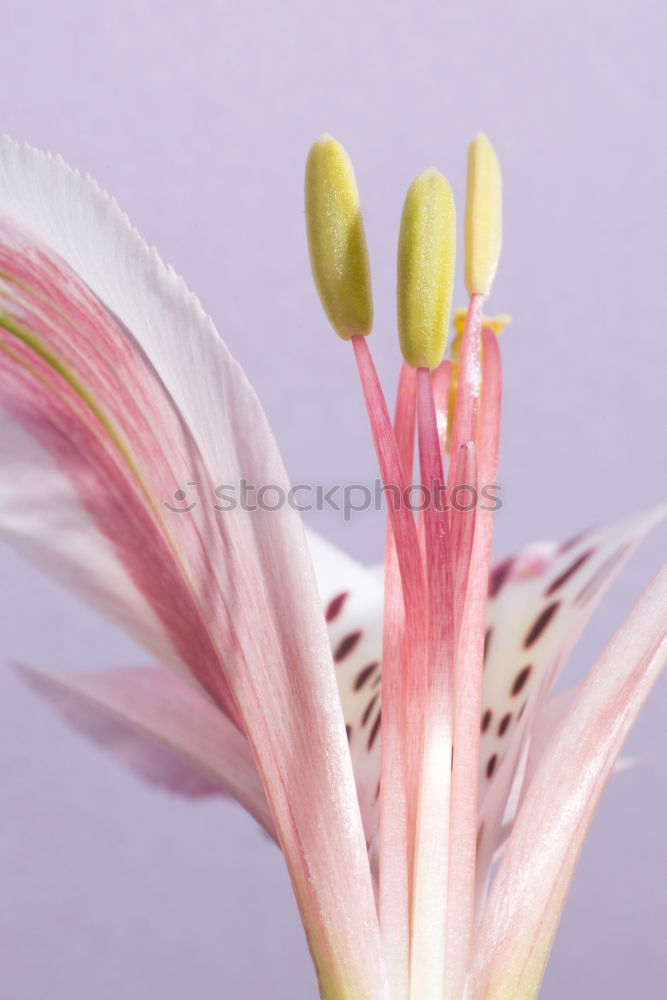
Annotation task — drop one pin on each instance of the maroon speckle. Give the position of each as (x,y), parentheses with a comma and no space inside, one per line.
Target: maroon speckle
(364,674)
(540,623)
(491,765)
(498,576)
(335,606)
(487,641)
(522,710)
(346,645)
(486,720)
(374,731)
(348,730)
(378,680)
(369,708)
(504,723)
(520,680)
(570,571)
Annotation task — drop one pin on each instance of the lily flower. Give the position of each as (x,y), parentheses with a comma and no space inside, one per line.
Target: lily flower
(394,731)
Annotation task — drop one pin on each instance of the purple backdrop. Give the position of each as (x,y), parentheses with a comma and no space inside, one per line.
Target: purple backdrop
(197,117)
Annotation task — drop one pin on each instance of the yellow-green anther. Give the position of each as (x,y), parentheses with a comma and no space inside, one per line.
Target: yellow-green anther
(336,239)
(426,251)
(484,216)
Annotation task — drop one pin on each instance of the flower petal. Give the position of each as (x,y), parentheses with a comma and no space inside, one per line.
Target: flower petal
(539,603)
(41,515)
(528,893)
(77,381)
(546,723)
(352,597)
(112,364)
(160,728)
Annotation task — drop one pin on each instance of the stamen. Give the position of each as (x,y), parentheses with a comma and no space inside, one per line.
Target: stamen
(336,239)
(425,278)
(483,241)
(340,268)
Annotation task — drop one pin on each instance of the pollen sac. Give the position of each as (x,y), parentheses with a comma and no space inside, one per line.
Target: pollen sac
(336,239)
(484,217)
(426,252)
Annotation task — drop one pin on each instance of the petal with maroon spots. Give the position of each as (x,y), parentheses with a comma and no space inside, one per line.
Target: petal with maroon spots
(521,915)
(545,599)
(359,671)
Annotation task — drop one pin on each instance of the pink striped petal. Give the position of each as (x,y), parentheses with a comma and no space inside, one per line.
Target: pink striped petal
(546,724)
(160,728)
(528,893)
(75,379)
(351,598)
(41,515)
(111,364)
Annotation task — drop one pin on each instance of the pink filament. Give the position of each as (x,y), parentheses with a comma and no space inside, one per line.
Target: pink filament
(391,470)
(429,702)
(464,502)
(404,655)
(441,380)
(467,710)
(395,823)
(438,569)
(469,382)
(434,717)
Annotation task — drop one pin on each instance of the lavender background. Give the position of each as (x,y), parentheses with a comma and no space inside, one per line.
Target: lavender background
(197,117)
